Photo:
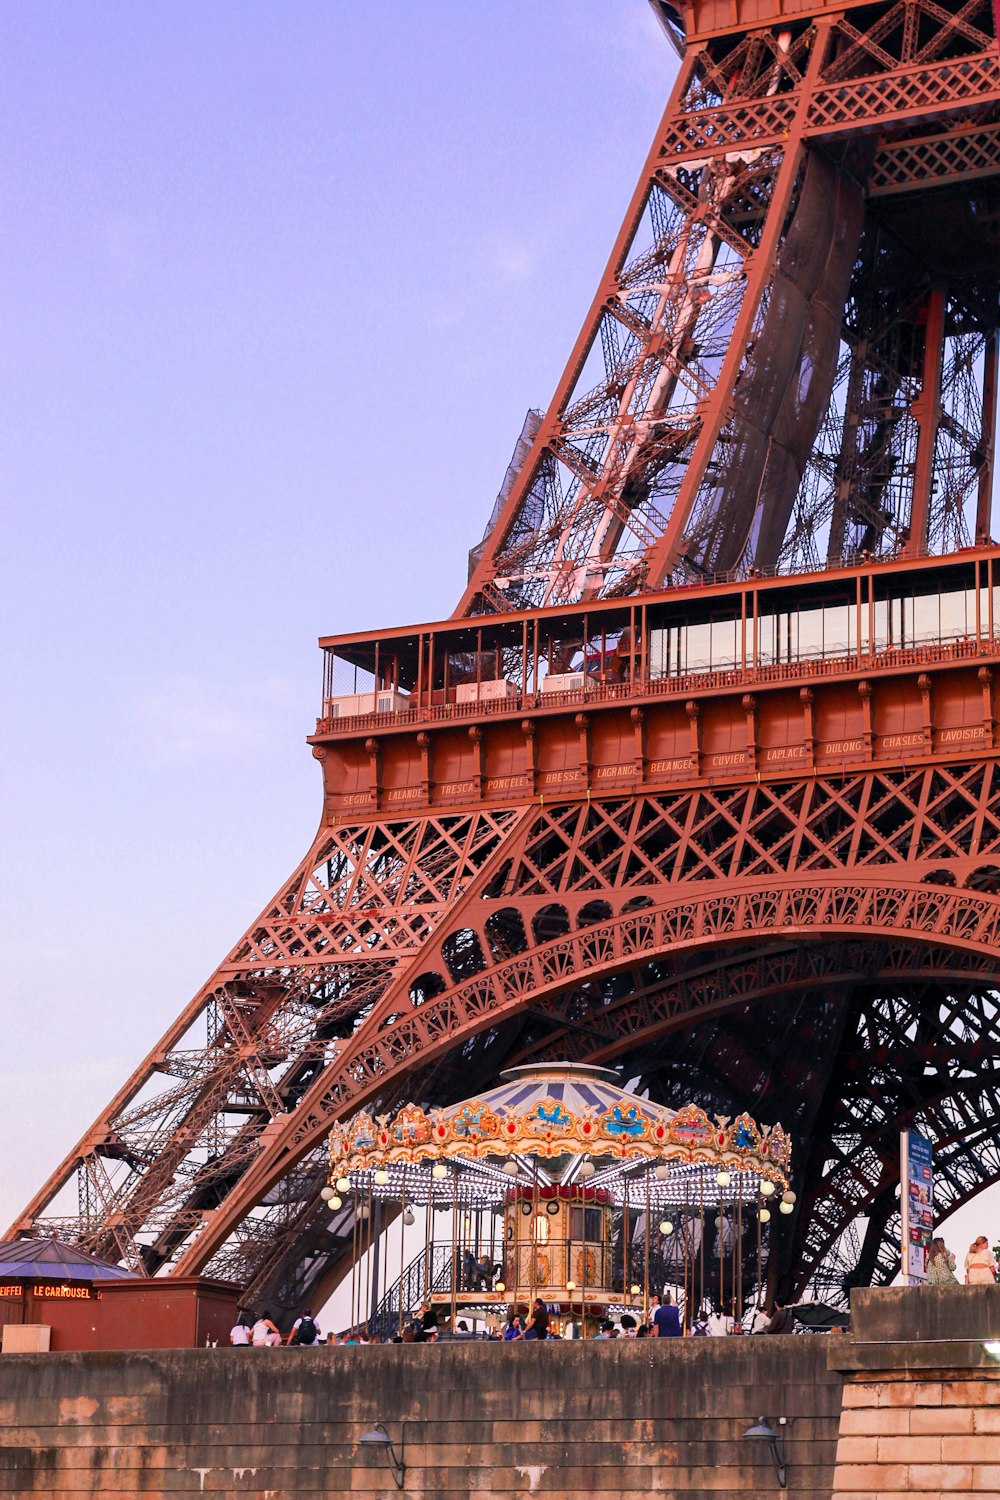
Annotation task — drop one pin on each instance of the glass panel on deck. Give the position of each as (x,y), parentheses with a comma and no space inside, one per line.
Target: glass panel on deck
(958,614)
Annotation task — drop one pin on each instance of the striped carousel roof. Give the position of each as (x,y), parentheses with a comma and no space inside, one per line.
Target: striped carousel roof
(577,1087)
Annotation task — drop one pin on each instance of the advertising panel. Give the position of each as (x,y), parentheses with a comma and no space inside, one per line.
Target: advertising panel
(916,1170)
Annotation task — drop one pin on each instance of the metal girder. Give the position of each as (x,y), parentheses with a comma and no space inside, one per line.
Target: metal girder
(645,470)
(518,907)
(959,154)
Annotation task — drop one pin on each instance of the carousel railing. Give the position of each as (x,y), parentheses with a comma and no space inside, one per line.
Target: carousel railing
(426,1273)
(606,1271)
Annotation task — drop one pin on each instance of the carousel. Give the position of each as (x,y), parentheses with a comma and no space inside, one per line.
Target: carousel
(560,1185)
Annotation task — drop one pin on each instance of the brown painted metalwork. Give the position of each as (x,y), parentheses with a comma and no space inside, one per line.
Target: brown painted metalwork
(702,777)
(717,316)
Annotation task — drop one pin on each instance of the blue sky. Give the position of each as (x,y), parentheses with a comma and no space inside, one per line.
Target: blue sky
(277,286)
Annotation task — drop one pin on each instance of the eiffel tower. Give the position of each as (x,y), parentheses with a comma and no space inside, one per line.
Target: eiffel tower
(701,777)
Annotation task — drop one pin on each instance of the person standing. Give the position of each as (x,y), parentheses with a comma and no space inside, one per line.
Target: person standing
(665,1320)
(718,1324)
(980,1267)
(940,1264)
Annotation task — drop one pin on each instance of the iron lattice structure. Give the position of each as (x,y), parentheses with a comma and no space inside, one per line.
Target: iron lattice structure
(702,777)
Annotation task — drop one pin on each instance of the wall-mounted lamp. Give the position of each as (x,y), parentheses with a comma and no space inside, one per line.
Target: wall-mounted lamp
(380,1440)
(763,1432)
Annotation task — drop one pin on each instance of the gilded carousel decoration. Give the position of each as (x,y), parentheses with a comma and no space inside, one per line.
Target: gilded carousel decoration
(562,1185)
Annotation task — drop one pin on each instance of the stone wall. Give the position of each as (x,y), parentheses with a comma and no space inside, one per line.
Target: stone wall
(597,1420)
(909,1404)
(921,1413)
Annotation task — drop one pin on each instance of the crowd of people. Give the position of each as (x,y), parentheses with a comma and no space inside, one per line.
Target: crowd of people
(261,1332)
(663,1319)
(424,1327)
(980,1263)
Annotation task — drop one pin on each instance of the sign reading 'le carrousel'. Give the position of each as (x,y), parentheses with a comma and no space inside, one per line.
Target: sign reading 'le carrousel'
(916,1171)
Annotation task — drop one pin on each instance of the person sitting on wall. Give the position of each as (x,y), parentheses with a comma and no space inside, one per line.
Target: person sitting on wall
(538,1323)
(513,1329)
(665,1318)
(239,1334)
(427,1323)
(265,1334)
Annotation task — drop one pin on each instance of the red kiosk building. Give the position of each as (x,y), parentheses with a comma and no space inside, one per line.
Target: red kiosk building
(56,1297)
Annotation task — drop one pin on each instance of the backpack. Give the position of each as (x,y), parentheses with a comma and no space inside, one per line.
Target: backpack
(306,1332)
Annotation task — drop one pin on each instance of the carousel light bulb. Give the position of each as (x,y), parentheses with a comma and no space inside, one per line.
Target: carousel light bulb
(587,1169)
(764,1216)
(326,1194)
(571,1286)
(723,1179)
(718,1223)
(343,1184)
(381,1177)
(786,1208)
(510,1168)
(788,1197)
(409,1217)
(336,1201)
(666,1227)
(439,1170)
(767,1187)
(634,1290)
(662,1172)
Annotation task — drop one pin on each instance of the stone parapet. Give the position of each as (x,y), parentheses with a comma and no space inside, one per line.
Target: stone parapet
(607,1420)
(921,1413)
(876,1415)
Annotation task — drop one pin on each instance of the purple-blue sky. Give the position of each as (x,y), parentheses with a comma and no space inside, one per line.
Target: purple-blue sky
(278,284)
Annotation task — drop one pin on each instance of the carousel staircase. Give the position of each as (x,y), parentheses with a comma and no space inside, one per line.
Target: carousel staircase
(426,1273)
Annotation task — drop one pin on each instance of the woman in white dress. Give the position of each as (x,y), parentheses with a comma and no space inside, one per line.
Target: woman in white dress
(980,1266)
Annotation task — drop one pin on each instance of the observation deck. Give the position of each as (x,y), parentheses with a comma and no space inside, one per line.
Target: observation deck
(764,678)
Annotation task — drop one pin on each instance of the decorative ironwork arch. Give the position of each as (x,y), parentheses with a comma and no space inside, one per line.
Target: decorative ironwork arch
(689,920)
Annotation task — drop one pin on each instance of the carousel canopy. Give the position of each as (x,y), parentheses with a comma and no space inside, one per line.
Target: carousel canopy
(556,1124)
